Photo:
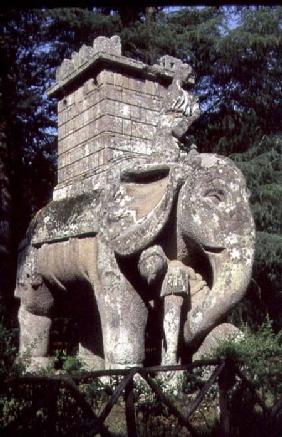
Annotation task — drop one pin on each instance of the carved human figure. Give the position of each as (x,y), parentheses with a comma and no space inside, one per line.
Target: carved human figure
(154,266)
(179,110)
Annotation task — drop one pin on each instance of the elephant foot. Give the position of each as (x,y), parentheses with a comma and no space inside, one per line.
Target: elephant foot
(221,333)
(169,359)
(89,359)
(34,333)
(36,364)
(91,362)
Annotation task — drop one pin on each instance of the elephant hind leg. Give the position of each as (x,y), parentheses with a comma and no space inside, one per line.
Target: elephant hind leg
(123,313)
(35,324)
(90,348)
(34,339)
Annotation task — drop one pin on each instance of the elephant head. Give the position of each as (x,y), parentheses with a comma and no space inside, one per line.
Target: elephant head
(215,222)
(197,210)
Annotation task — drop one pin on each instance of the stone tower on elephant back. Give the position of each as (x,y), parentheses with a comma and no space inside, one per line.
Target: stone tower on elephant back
(108,111)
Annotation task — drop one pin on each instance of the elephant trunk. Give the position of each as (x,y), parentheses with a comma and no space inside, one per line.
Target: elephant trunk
(232,272)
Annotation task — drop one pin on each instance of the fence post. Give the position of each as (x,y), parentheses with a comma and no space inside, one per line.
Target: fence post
(225,382)
(129,409)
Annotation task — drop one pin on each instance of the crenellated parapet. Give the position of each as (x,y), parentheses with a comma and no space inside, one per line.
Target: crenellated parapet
(86,54)
(107,51)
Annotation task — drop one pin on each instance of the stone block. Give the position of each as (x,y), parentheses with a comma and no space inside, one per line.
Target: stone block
(117,79)
(111,124)
(125,81)
(135,112)
(110,107)
(101,157)
(62,146)
(124,110)
(150,87)
(93,129)
(92,113)
(64,70)
(71,112)
(85,117)
(78,95)
(110,92)
(61,132)
(93,97)
(61,105)
(70,99)
(70,126)
(127,127)
(109,77)
(89,86)
(141,130)
(140,85)
(101,78)
(169,62)
(132,83)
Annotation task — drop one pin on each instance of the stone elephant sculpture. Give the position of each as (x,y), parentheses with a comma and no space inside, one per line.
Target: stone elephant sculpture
(174,239)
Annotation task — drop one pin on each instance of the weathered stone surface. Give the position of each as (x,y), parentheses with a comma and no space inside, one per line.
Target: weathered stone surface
(67,218)
(148,246)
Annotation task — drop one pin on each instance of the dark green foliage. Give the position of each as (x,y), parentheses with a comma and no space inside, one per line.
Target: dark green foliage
(259,354)
(67,363)
(244,90)
(261,165)
(8,349)
(28,117)
(5,210)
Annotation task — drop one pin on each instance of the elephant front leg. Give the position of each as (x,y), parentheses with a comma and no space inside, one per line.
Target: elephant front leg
(175,290)
(123,314)
(124,317)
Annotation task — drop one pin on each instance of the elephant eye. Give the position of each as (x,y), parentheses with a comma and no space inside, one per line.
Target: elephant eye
(216,195)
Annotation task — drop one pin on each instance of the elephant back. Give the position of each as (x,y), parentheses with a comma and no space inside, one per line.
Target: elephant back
(66,218)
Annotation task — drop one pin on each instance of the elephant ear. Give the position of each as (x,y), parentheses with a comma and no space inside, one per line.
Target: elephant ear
(139,206)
